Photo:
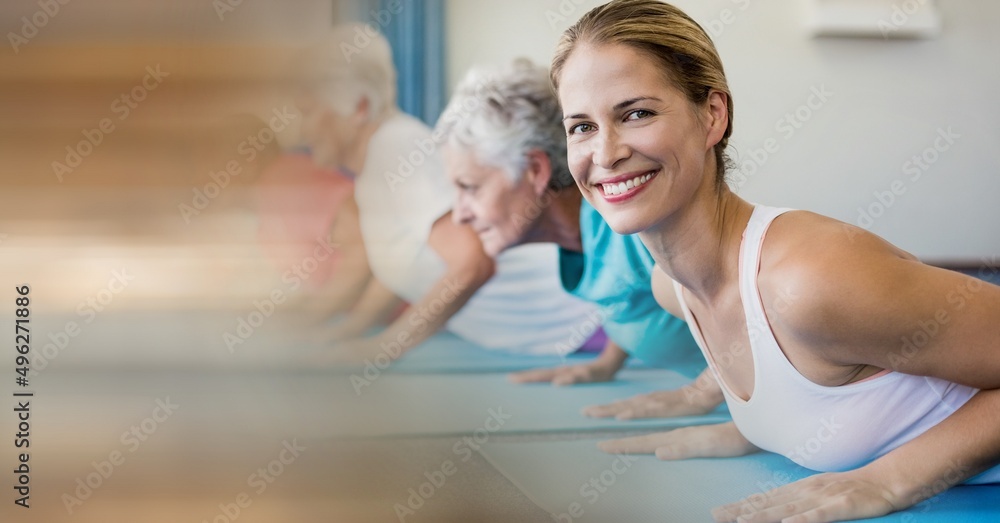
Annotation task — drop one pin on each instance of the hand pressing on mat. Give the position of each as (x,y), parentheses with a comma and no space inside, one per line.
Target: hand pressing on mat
(700,397)
(703,441)
(822,498)
(604,368)
(945,455)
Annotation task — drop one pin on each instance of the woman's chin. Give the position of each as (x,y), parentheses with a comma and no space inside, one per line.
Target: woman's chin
(493,246)
(624,224)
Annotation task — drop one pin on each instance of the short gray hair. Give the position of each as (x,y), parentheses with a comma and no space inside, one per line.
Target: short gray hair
(354,61)
(501,114)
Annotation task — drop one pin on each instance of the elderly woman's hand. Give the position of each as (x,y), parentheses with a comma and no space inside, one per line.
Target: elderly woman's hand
(594,372)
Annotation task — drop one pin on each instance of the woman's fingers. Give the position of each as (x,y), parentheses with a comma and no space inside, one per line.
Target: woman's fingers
(608,410)
(821,498)
(571,375)
(567,375)
(532,376)
(646,444)
(660,404)
(704,441)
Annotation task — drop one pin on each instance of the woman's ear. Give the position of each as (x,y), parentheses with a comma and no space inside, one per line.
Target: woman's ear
(363,110)
(717,112)
(538,171)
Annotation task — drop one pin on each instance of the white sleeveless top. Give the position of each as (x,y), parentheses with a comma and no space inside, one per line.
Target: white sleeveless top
(402,191)
(829,429)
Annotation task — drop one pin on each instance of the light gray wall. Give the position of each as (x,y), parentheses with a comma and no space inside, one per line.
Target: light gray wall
(890,100)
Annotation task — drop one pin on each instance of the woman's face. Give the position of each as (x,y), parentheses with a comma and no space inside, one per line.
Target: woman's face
(499,209)
(326,131)
(638,149)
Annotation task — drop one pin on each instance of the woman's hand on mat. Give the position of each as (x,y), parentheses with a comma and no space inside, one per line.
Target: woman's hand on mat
(567,374)
(660,404)
(702,441)
(840,496)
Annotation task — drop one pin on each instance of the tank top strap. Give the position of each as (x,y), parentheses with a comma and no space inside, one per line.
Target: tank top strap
(759,329)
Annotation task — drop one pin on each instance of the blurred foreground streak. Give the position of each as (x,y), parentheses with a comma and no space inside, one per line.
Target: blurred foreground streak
(127,156)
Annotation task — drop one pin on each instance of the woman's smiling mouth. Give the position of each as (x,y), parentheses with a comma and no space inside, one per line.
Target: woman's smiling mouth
(624,187)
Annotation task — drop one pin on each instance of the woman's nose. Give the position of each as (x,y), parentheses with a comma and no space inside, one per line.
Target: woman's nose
(609,149)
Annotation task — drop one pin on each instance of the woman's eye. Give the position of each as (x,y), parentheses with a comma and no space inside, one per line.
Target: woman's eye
(581,128)
(638,114)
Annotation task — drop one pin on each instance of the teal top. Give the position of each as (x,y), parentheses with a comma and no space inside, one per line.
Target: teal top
(614,272)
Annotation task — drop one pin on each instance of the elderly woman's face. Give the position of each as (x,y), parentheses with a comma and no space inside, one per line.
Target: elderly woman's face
(326,131)
(499,209)
(636,146)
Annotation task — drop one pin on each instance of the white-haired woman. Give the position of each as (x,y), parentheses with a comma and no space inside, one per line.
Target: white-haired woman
(505,150)
(416,252)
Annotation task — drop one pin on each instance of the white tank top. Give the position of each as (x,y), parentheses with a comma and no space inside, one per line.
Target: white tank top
(828,429)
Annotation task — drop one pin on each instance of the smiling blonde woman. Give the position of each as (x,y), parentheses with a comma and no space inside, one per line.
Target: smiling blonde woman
(803,319)
(505,151)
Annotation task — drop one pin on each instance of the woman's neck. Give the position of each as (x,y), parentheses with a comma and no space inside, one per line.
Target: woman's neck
(559,221)
(358,152)
(699,245)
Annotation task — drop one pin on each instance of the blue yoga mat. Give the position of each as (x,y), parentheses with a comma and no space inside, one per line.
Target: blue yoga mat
(400,404)
(574,481)
(447,353)
(317,405)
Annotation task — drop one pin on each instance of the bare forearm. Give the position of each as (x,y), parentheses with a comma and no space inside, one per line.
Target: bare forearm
(612,357)
(963,445)
(704,390)
(374,308)
(348,286)
(428,316)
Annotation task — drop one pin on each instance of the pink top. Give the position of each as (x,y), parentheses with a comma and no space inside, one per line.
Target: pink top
(296,205)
